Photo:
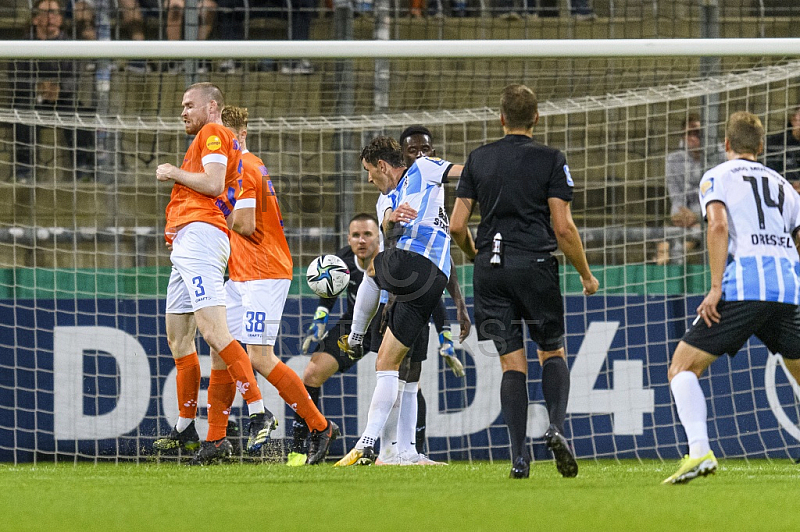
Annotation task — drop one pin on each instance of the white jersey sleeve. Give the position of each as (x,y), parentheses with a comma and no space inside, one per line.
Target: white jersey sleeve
(385,202)
(763,213)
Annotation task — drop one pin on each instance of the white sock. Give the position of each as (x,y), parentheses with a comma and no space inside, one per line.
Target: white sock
(256,407)
(407,424)
(692,411)
(183,423)
(366,305)
(383,398)
(389,432)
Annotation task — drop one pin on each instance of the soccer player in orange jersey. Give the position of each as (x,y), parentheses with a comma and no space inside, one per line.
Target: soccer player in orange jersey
(197,234)
(260,271)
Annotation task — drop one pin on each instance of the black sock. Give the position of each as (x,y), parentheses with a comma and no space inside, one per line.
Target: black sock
(421,413)
(313,391)
(300,429)
(514,403)
(555,388)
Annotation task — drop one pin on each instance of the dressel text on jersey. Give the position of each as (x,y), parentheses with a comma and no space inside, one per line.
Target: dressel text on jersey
(766,239)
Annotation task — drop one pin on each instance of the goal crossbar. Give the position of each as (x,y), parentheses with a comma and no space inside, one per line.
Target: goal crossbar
(371,49)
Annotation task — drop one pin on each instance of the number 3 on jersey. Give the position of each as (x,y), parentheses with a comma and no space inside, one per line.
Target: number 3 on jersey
(198,284)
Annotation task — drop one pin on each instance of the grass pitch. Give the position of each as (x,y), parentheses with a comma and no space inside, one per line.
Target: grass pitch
(606,495)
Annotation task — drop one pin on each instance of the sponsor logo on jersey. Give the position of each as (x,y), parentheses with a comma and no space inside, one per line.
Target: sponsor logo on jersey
(213,143)
(570,182)
(706,187)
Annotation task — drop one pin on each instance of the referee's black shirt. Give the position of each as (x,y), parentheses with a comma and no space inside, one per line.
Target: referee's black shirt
(512,179)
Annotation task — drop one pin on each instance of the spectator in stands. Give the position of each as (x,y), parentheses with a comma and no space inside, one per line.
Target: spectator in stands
(582,11)
(783,150)
(416,8)
(302,11)
(436,8)
(175,13)
(684,169)
(49,85)
(579,9)
(81,13)
(130,12)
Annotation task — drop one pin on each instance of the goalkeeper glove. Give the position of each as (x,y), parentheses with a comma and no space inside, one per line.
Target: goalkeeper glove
(447,350)
(352,345)
(316,331)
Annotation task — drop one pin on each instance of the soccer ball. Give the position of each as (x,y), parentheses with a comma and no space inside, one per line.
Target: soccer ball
(327,276)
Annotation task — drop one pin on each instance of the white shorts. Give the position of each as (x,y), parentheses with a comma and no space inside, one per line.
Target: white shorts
(199,256)
(255,309)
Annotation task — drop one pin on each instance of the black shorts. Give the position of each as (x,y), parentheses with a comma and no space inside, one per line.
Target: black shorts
(419,350)
(418,285)
(775,324)
(372,340)
(522,291)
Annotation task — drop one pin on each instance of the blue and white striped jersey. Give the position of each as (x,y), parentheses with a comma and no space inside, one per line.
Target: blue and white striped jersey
(763,215)
(428,234)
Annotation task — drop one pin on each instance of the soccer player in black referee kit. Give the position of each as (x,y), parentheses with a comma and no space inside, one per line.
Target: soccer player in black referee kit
(520,185)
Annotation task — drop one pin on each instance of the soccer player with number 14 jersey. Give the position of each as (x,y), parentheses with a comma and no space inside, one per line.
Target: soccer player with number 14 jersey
(753,217)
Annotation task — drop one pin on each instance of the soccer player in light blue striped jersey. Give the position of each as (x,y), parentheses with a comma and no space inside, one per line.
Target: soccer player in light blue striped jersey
(415,270)
(753,217)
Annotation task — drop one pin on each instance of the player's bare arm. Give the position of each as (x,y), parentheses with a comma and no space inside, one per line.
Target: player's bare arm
(454,290)
(211,182)
(455,171)
(569,242)
(717,240)
(459,231)
(243,221)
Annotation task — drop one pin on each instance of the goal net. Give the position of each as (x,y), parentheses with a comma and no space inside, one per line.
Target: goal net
(85,370)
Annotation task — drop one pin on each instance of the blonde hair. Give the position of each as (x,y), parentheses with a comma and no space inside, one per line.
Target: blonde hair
(235,117)
(744,132)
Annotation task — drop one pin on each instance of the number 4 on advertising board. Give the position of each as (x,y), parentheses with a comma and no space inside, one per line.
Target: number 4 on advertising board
(627,400)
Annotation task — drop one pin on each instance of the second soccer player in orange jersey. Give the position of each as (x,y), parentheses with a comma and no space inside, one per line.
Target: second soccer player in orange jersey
(260,271)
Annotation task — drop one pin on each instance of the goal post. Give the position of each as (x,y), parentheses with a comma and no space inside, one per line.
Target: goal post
(85,370)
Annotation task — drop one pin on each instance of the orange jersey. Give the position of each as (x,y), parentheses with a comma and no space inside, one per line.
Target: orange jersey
(213,144)
(264,254)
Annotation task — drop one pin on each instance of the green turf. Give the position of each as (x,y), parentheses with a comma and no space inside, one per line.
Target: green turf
(627,495)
